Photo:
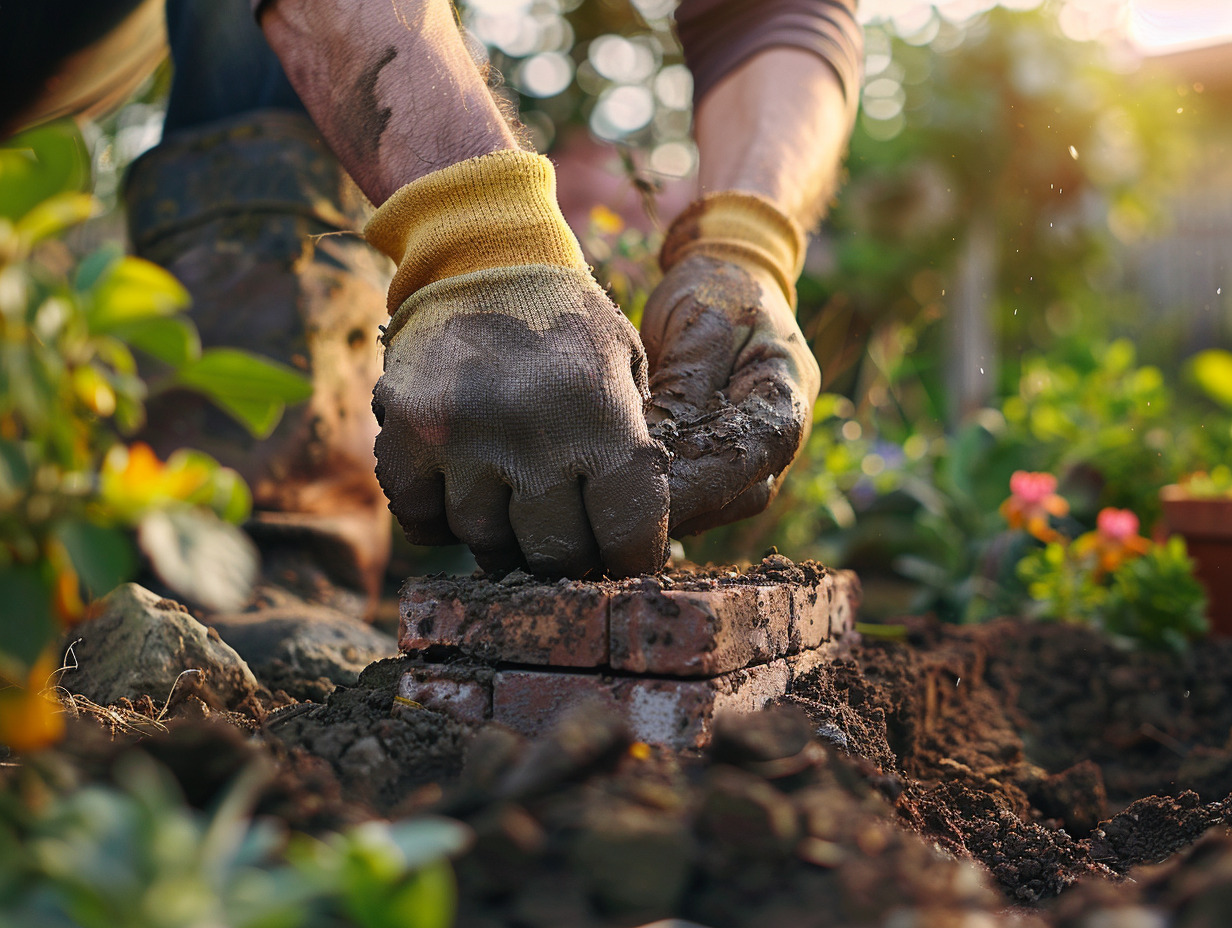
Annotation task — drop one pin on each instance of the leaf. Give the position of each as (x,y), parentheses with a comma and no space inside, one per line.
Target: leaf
(26,623)
(197,554)
(252,389)
(134,289)
(102,557)
(429,839)
(40,163)
(1212,371)
(95,264)
(54,215)
(170,339)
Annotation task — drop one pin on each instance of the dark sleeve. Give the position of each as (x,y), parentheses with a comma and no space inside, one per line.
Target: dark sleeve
(718,35)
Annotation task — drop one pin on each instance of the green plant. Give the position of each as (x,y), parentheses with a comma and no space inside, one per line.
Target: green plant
(1118,581)
(1213,485)
(101,857)
(72,492)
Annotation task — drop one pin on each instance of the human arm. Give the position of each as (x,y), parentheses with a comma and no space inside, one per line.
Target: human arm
(512,402)
(770,136)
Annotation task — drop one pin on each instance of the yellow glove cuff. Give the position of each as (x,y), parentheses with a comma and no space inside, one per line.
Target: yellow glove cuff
(744,228)
(497,210)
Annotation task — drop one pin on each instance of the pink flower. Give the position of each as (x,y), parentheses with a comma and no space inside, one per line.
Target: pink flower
(1032,487)
(1033,499)
(1114,541)
(1116,524)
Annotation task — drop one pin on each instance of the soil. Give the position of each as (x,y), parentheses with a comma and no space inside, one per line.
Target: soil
(1006,774)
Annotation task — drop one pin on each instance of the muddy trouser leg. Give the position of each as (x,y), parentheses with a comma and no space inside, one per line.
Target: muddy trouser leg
(233,202)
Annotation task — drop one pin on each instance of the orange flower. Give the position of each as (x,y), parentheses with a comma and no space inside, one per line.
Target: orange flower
(134,480)
(1033,499)
(1114,541)
(30,718)
(605,221)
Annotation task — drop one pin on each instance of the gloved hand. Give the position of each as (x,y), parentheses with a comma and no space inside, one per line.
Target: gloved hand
(732,379)
(512,407)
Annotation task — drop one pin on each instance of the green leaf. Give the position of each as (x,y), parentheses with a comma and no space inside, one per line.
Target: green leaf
(40,163)
(26,623)
(134,289)
(429,839)
(252,389)
(103,557)
(170,339)
(94,265)
(1212,370)
(54,215)
(197,554)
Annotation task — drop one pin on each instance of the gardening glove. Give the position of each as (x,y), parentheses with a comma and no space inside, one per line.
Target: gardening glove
(512,407)
(732,379)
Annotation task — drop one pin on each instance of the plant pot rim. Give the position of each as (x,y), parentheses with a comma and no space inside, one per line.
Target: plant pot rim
(1208,517)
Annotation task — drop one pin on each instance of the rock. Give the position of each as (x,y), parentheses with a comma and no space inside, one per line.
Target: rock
(304,648)
(140,645)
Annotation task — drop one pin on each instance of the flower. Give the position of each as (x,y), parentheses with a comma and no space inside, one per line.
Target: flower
(30,718)
(605,221)
(134,480)
(1033,499)
(1114,541)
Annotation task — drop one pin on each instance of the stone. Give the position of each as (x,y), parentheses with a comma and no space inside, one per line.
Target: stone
(304,648)
(140,644)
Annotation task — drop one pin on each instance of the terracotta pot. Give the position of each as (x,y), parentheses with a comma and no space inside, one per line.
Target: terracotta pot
(1206,525)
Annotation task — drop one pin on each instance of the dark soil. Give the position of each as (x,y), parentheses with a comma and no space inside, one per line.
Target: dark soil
(1007,774)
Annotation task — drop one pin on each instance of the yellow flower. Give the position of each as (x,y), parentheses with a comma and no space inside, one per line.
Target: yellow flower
(30,717)
(1033,499)
(134,480)
(606,221)
(1114,541)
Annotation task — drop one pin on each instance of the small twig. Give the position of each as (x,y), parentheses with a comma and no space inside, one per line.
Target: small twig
(167,703)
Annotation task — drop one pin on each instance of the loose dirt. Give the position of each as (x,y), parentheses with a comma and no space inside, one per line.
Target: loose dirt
(1008,774)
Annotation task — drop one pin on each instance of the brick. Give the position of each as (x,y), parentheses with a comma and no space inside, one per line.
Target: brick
(564,625)
(699,633)
(825,611)
(678,713)
(698,626)
(462,691)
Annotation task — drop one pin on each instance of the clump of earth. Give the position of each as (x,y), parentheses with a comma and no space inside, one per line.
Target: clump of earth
(1007,774)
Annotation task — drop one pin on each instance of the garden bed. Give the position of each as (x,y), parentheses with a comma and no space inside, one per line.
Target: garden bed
(1054,760)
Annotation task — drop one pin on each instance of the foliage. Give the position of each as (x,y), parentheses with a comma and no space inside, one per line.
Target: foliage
(1213,485)
(1154,600)
(140,857)
(71,490)
(1111,577)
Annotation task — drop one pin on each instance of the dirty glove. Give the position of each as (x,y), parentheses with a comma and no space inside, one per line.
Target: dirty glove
(512,407)
(732,379)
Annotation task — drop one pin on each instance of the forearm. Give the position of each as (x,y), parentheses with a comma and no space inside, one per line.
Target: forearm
(391,86)
(777,125)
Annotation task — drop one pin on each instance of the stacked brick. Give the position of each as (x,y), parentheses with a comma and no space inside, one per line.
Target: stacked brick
(667,652)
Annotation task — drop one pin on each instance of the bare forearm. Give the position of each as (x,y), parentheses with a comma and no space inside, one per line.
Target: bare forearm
(390,85)
(778,126)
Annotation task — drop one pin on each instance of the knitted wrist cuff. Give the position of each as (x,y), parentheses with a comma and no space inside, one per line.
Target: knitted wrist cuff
(746,228)
(497,210)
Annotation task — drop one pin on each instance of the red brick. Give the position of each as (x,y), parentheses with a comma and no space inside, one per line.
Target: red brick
(679,713)
(462,691)
(820,613)
(564,625)
(699,633)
